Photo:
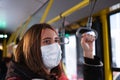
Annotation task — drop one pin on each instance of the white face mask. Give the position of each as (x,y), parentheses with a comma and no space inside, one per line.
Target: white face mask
(51,55)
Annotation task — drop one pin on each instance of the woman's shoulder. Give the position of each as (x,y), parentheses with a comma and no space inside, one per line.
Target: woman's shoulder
(16,71)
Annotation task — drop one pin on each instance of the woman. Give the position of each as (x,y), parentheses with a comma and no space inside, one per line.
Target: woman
(38,55)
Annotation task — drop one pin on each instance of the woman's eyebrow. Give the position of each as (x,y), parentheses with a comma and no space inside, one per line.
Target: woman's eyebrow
(46,38)
(57,38)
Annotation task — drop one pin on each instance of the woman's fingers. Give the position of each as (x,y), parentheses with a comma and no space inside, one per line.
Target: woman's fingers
(88,37)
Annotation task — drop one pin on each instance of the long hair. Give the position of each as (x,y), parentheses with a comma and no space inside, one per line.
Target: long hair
(29,52)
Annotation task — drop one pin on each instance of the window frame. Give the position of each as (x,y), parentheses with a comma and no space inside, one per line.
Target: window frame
(110,40)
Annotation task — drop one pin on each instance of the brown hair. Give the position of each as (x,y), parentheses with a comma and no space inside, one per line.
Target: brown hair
(28,50)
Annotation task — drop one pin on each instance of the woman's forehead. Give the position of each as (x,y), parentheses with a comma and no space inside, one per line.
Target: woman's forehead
(48,32)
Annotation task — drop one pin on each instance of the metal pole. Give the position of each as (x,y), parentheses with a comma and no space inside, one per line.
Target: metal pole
(46,11)
(108,72)
(70,11)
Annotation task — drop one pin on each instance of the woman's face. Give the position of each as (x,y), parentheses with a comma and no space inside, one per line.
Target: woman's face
(48,37)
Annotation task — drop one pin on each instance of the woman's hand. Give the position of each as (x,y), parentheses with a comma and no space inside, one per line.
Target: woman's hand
(87,45)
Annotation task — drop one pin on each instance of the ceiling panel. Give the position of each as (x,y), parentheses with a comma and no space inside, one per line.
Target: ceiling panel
(16,12)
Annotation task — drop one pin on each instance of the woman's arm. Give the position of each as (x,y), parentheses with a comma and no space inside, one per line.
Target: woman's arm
(87,45)
(93,67)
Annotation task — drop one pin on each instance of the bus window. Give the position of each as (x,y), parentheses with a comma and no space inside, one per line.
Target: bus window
(70,58)
(114,31)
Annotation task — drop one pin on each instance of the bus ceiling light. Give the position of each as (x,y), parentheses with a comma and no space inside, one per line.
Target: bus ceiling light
(3,35)
(2,24)
(114,7)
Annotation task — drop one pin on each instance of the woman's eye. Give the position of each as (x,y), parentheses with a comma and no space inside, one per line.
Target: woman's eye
(47,42)
(57,41)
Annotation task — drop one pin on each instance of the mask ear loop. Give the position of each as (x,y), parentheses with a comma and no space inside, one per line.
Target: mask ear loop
(88,25)
(62,31)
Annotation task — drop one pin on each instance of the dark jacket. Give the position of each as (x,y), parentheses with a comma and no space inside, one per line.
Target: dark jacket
(3,70)
(21,71)
(92,71)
